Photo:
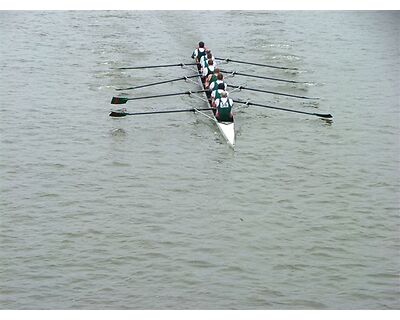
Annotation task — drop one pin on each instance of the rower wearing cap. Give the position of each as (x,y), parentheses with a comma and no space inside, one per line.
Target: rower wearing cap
(199,52)
(224,108)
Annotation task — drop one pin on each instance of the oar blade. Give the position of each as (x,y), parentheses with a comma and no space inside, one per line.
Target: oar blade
(326,116)
(118,100)
(118,114)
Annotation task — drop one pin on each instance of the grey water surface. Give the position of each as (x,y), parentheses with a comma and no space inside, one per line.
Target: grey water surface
(157,212)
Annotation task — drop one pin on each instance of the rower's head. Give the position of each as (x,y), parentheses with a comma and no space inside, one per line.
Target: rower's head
(201,44)
(209,56)
(210,62)
(224,94)
(220,76)
(216,71)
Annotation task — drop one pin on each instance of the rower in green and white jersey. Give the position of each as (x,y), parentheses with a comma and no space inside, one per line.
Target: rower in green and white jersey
(204,59)
(199,52)
(209,69)
(212,77)
(219,79)
(224,108)
(217,92)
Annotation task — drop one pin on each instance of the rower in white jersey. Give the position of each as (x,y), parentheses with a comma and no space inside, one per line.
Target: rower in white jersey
(199,52)
(224,108)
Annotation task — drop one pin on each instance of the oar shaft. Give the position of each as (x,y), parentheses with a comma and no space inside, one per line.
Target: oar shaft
(283,109)
(157,83)
(122,100)
(233,73)
(272,92)
(123,114)
(256,64)
(159,96)
(158,66)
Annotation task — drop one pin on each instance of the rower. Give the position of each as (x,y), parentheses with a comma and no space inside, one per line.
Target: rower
(213,77)
(224,108)
(216,94)
(209,70)
(199,52)
(204,59)
(219,80)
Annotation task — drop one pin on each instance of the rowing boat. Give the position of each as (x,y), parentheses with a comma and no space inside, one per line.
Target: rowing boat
(227,129)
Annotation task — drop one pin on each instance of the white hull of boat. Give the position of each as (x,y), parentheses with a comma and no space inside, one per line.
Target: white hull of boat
(228,131)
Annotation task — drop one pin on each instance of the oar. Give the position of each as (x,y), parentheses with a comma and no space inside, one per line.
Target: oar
(233,73)
(256,64)
(271,92)
(156,83)
(121,100)
(123,114)
(283,109)
(159,66)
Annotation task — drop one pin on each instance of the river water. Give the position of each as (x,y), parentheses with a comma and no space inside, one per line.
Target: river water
(158,212)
